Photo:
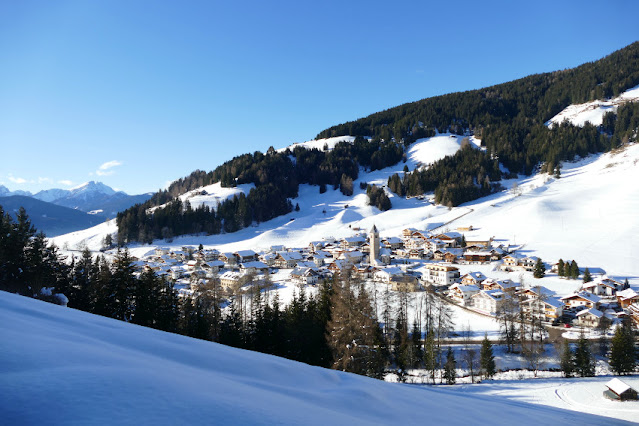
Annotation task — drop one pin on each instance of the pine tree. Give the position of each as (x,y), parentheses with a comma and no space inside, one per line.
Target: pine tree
(574,270)
(120,293)
(587,277)
(623,355)
(450,375)
(584,360)
(430,354)
(561,268)
(540,269)
(486,358)
(567,361)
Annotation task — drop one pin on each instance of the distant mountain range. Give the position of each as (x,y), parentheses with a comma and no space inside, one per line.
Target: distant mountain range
(58,211)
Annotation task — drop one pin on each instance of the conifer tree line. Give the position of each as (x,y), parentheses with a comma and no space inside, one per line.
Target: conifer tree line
(276,176)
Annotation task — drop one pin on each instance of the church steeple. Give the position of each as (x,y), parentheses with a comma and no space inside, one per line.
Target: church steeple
(373,242)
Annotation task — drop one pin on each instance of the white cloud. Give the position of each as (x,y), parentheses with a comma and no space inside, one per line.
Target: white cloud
(17,180)
(105,169)
(65,182)
(44,180)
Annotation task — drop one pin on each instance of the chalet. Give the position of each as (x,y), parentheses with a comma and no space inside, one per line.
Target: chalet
(581,299)
(507,285)
(462,294)
(440,274)
(439,254)
(547,309)
(352,256)
(473,278)
(384,256)
(528,262)
(231,280)
(536,292)
(314,246)
(408,232)
(320,257)
(627,297)
(385,275)
(210,254)
(245,256)
(477,256)
(268,258)
(176,272)
(601,287)
(228,258)
(451,239)
(405,283)
(465,228)
(589,317)
(337,266)
(393,243)
(305,276)
(213,266)
(512,260)
(363,271)
(488,301)
(254,267)
(416,253)
(619,391)
(287,259)
(355,241)
(450,257)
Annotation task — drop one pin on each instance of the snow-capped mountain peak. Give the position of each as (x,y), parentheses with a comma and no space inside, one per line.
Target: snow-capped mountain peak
(93,187)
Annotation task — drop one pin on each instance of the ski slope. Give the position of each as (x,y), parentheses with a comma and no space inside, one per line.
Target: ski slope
(62,366)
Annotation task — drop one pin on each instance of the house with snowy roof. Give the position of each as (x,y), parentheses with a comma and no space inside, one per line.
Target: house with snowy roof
(589,317)
(548,309)
(627,297)
(488,301)
(384,275)
(602,287)
(440,275)
(507,286)
(473,278)
(581,299)
(461,293)
(305,276)
(287,259)
(393,243)
(245,256)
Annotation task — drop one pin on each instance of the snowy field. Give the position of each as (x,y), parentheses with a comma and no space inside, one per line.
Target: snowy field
(61,366)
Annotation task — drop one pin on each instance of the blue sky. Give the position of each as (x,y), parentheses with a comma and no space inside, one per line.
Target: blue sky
(139,93)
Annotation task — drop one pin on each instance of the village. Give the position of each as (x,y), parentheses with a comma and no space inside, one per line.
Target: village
(446,263)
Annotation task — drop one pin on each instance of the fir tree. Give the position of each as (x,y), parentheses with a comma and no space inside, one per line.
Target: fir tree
(584,360)
(623,355)
(587,277)
(450,375)
(567,361)
(574,270)
(486,358)
(540,269)
(561,268)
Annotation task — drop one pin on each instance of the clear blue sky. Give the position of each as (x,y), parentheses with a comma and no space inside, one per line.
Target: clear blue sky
(152,90)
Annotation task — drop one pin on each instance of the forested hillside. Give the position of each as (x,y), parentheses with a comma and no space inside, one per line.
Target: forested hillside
(508,118)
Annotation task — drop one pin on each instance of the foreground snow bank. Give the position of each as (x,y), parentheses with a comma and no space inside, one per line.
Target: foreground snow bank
(59,366)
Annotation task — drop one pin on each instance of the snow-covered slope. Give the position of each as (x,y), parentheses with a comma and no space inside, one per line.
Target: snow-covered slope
(61,366)
(593,111)
(328,143)
(589,214)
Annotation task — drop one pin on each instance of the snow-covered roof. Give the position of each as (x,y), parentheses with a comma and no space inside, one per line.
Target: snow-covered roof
(618,386)
(592,311)
(627,294)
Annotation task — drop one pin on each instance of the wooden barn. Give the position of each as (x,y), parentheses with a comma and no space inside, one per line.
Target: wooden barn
(620,391)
